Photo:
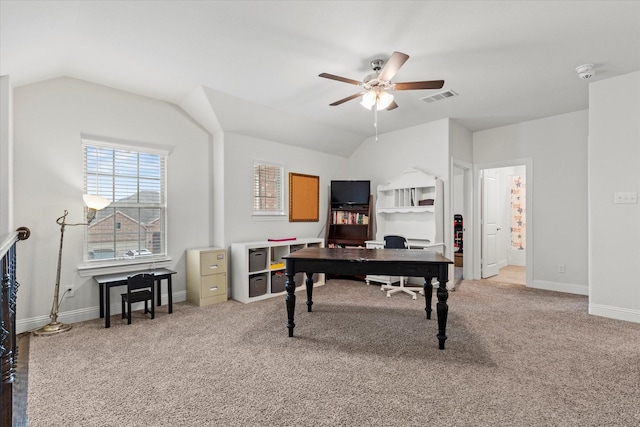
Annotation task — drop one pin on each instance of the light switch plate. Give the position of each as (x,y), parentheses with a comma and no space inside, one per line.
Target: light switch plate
(626,197)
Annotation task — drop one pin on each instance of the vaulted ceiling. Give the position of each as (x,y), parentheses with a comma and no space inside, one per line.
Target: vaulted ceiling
(258,61)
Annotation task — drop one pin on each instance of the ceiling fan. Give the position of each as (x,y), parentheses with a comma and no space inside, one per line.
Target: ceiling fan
(377,84)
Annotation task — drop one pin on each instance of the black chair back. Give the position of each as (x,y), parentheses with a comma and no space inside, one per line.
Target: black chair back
(392,241)
(140,281)
(139,288)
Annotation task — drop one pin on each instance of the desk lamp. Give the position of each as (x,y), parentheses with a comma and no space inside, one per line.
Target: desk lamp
(94,203)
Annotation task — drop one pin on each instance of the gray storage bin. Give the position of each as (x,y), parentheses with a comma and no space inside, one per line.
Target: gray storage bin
(278,280)
(257,285)
(257,259)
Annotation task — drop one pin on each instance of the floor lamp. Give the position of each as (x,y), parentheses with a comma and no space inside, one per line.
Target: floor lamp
(94,203)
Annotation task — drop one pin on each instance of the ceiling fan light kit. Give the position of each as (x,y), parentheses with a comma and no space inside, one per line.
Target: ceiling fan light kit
(381,99)
(378,84)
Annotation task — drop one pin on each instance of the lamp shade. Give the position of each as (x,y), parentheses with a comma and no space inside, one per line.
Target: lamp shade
(379,98)
(368,100)
(384,100)
(95,202)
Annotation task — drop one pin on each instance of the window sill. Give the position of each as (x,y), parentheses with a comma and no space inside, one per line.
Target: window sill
(269,217)
(112,267)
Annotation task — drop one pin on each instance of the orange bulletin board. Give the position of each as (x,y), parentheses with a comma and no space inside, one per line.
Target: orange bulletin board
(304,197)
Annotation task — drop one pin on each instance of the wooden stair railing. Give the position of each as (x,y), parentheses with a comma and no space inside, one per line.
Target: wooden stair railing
(8,291)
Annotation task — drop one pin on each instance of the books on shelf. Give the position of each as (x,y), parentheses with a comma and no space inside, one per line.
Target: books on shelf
(347,217)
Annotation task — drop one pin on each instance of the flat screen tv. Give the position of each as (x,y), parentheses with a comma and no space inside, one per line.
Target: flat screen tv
(350,192)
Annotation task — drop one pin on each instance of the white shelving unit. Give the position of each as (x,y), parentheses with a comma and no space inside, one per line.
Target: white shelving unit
(411,206)
(258,268)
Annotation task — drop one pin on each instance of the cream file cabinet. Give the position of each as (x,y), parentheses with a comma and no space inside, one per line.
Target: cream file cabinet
(206,276)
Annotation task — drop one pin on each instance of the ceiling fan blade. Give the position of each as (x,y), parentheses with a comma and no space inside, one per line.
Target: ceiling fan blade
(431,84)
(392,66)
(348,98)
(340,79)
(392,106)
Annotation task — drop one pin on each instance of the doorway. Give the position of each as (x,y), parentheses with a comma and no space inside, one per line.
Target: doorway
(504,228)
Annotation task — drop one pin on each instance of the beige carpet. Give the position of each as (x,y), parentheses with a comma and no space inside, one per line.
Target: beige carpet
(514,357)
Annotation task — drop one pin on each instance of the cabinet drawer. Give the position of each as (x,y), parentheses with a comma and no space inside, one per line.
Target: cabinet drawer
(213,263)
(215,284)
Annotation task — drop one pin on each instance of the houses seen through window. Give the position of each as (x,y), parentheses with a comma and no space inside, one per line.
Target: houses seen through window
(268,189)
(134,224)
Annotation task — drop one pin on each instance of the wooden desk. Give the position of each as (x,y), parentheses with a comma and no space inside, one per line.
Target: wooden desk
(108,281)
(357,261)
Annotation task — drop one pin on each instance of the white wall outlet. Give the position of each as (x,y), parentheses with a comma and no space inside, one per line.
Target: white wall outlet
(625,197)
(69,291)
(560,268)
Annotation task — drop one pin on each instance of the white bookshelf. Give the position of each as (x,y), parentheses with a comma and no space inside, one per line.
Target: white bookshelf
(402,209)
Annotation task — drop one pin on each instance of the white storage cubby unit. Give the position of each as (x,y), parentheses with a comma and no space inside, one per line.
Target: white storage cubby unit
(258,268)
(410,206)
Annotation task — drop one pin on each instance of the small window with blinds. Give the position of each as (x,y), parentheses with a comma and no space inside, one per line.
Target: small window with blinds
(268,189)
(133,226)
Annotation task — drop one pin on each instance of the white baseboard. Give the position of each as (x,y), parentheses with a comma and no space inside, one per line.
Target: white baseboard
(569,288)
(618,313)
(82,314)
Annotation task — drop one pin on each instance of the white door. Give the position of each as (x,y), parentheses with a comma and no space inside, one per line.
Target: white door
(489,223)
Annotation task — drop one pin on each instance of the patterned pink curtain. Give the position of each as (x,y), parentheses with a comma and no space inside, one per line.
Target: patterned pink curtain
(518,213)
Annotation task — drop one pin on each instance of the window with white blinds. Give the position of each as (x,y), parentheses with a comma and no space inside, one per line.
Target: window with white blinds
(134,224)
(268,189)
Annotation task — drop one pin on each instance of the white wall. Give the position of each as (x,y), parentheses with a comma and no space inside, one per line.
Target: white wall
(461,142)
(6,156)
(49,118)
(425,147)
(240,152)
(461,150)
(557,147)
(614,166)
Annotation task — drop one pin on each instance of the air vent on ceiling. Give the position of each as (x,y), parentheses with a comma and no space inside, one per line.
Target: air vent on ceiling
(439,96)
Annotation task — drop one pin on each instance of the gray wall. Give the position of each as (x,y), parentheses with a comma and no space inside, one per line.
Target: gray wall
(49,119)
(614,166)
(557,147)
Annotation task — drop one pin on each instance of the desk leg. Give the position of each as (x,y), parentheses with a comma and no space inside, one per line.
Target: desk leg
(159,290)
(170,294)
(101,291)
(309,285)
(443,310)
(428,295)
(290,300)
(107,307)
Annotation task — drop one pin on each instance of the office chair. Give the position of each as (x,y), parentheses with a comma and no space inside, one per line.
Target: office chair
(139,288)
(399,242)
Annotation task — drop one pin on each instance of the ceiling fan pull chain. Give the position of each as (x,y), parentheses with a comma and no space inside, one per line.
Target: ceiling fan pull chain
(375,120)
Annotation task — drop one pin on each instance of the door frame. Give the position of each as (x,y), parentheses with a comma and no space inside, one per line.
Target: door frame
(467,216)
(477,211)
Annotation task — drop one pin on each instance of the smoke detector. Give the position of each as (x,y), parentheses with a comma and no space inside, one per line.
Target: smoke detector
(585,71)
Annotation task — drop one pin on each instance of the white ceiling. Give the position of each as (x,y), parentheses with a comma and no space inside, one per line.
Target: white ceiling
(509,61)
